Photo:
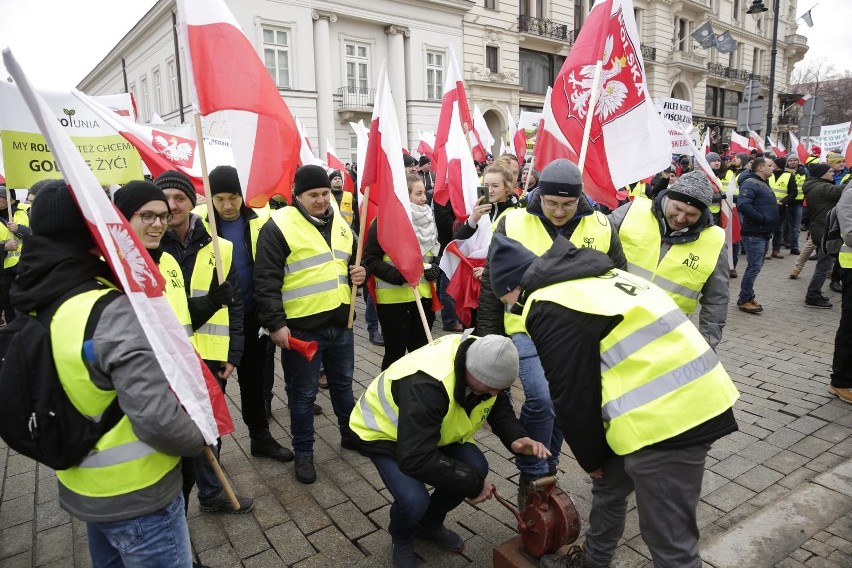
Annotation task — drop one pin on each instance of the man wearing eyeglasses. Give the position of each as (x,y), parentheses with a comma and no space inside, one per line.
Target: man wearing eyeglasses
(559,208)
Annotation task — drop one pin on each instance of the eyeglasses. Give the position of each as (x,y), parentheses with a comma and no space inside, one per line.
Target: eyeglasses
(553,206)
(148,217)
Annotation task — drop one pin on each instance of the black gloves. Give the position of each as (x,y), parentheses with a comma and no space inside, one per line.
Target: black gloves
(221,294)
(431,274)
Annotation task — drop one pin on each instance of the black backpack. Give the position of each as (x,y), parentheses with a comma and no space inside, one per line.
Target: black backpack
(38,419)
(832,240)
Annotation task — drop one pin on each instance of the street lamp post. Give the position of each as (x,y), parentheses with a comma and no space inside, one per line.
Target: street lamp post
(756,9)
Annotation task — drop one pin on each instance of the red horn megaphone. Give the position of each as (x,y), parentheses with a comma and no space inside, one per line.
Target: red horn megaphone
(306,348)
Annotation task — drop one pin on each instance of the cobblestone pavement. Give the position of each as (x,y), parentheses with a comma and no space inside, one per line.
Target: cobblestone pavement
(791,432)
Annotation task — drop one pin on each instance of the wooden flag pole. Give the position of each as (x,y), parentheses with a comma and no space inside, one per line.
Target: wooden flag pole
(365,203)
(211,213)
(593,99)
(422,314)
(220,475)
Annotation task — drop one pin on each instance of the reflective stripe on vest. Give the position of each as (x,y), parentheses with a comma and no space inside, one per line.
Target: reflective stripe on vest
(593,231)
(779,185)
(119,463)
(313,270)
(376,415)
(213,338)
(175,292)
(387,293)
(659,378)
(845,256)
(684,269)
(14,256)
(255,224)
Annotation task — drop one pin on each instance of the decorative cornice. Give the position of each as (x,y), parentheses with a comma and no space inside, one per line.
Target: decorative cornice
(395,29)
(320,15)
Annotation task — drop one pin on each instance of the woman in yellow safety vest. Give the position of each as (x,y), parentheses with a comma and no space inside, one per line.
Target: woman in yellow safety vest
(398,314)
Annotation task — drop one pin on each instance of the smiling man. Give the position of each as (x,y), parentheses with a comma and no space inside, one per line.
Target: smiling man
(672,242)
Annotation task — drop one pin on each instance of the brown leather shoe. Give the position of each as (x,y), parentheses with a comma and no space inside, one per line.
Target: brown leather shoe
(843,394)
(750,307)
(794,274)
(777,254)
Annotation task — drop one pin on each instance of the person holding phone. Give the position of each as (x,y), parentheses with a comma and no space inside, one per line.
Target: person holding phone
(496,197)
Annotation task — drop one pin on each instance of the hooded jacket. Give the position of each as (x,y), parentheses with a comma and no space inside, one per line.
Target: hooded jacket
(822,196)
(489,318)
(715,293)
(757,205)
(574,374)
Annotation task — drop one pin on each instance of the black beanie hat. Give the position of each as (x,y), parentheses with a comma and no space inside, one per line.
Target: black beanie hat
(408,160)
(135,194)
(781,163)
(335,174)
(424,159)
(54,214)
(508,260)
(310,177)
(174,179)
(817,169)
(224,179)
(561,178)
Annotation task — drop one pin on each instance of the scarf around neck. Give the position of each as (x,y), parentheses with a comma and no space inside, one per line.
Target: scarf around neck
(423,221)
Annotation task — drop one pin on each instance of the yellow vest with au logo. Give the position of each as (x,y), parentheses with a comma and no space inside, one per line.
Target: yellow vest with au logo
(316,276)
(593,231)
(684,269)
(119,463)
(376,414)
(14,256)
(387,293)
(659,378)
(213,338)
(636,190)
(175,293)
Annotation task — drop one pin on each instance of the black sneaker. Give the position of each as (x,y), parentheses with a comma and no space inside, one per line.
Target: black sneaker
(403,554)
(269,448)
(221,504)
(836,286)
(821,303)
(305,471)
(376,338)
(442,536)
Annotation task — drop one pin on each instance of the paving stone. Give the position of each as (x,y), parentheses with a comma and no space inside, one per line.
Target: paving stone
(811,447)
(16,539)
(818,548)
(18,486)
(733,466)
(266,559)
(364,495)
(49,515)
(833,433)
(759,478)
(351,521)
(222,555)
(268,512)
(16,511)
(378,545)
(786,462)
(335,547)
(245,534)
(729,496)
(309,516)
(289,542)
(53,544)
(797,477)
(206,532)
(784,437)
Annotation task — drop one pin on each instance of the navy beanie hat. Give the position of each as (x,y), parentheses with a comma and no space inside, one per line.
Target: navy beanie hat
(508,260)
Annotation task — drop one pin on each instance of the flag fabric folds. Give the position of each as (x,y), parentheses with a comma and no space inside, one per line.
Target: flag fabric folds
(798,148)
(808,18)
(426,145)
(739,144)
(226,76)
(628,140)
(704,35)
(517,138)
(136,273)
(481,140)
(725,43)
(335,164)
(385,174)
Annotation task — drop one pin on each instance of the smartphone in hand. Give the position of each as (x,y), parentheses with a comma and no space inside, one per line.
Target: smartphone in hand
(482,191)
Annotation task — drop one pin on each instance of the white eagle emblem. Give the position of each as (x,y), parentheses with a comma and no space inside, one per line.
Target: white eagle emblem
(612,92)
(132,256)
(172,149)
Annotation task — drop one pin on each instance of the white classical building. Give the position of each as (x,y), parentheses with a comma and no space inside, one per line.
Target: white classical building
(325,58)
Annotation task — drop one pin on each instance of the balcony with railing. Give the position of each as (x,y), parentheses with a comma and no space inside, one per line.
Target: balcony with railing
(356,98)
(741,75)
(546,28)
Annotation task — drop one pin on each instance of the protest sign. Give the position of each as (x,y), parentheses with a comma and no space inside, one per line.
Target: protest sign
(679,113)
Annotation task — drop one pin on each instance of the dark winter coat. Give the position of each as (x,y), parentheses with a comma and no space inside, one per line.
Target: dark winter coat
(757,205)
(822,195)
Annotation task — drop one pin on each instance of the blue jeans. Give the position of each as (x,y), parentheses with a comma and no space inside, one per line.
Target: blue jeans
(159,539)
(538,415)
(336,353)
(205,478)
(778,235)
(448,313)
(792,224)
(371,316)
(412,503)
(755,248)
(823,267)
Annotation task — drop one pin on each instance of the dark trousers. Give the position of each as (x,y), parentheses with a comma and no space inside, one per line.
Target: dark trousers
(250,378)
(403,329)
(7,276)
(841,376)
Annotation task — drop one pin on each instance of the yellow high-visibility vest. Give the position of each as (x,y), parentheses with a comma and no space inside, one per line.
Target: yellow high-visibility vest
(14,256)
(213,338)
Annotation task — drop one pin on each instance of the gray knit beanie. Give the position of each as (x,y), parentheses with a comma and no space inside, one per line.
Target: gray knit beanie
(692,188)
(493,361)
(713,156)
(561,178)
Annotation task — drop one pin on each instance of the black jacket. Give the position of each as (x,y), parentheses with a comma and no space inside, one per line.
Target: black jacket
(272,253)
(197,239)
(574,374)
(445,221)
(757,205)
(465,231)
(423,404)
(822,196)
(489,317)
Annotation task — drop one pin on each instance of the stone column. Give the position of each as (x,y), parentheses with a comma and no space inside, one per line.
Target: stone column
(322,74)
(396,75)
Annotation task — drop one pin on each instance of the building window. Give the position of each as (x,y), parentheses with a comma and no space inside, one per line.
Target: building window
(721,102)
(491,4)
(710,101)
(736,11)
(682,33)
(353,150)
(579,15)
(538,70)
(173,84)
(357,57)
(276,55)
(145,107)
(158,91)
(492,58)
(434,75)
(731,100)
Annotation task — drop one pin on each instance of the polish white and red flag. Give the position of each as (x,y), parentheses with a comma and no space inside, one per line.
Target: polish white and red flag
(628,140)
(384,172)
(503,149)
(517,138)
(335,164)
(756,142)
(135,272)
(798,148)
(739,144)
(847,150)
(803,100)
(454,98)
(426,145)
(227,79)
(481,140)
(306,152)
(777,148)
(705,145)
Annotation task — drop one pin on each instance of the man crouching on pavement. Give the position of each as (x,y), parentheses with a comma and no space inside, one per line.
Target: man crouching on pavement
(416,422)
